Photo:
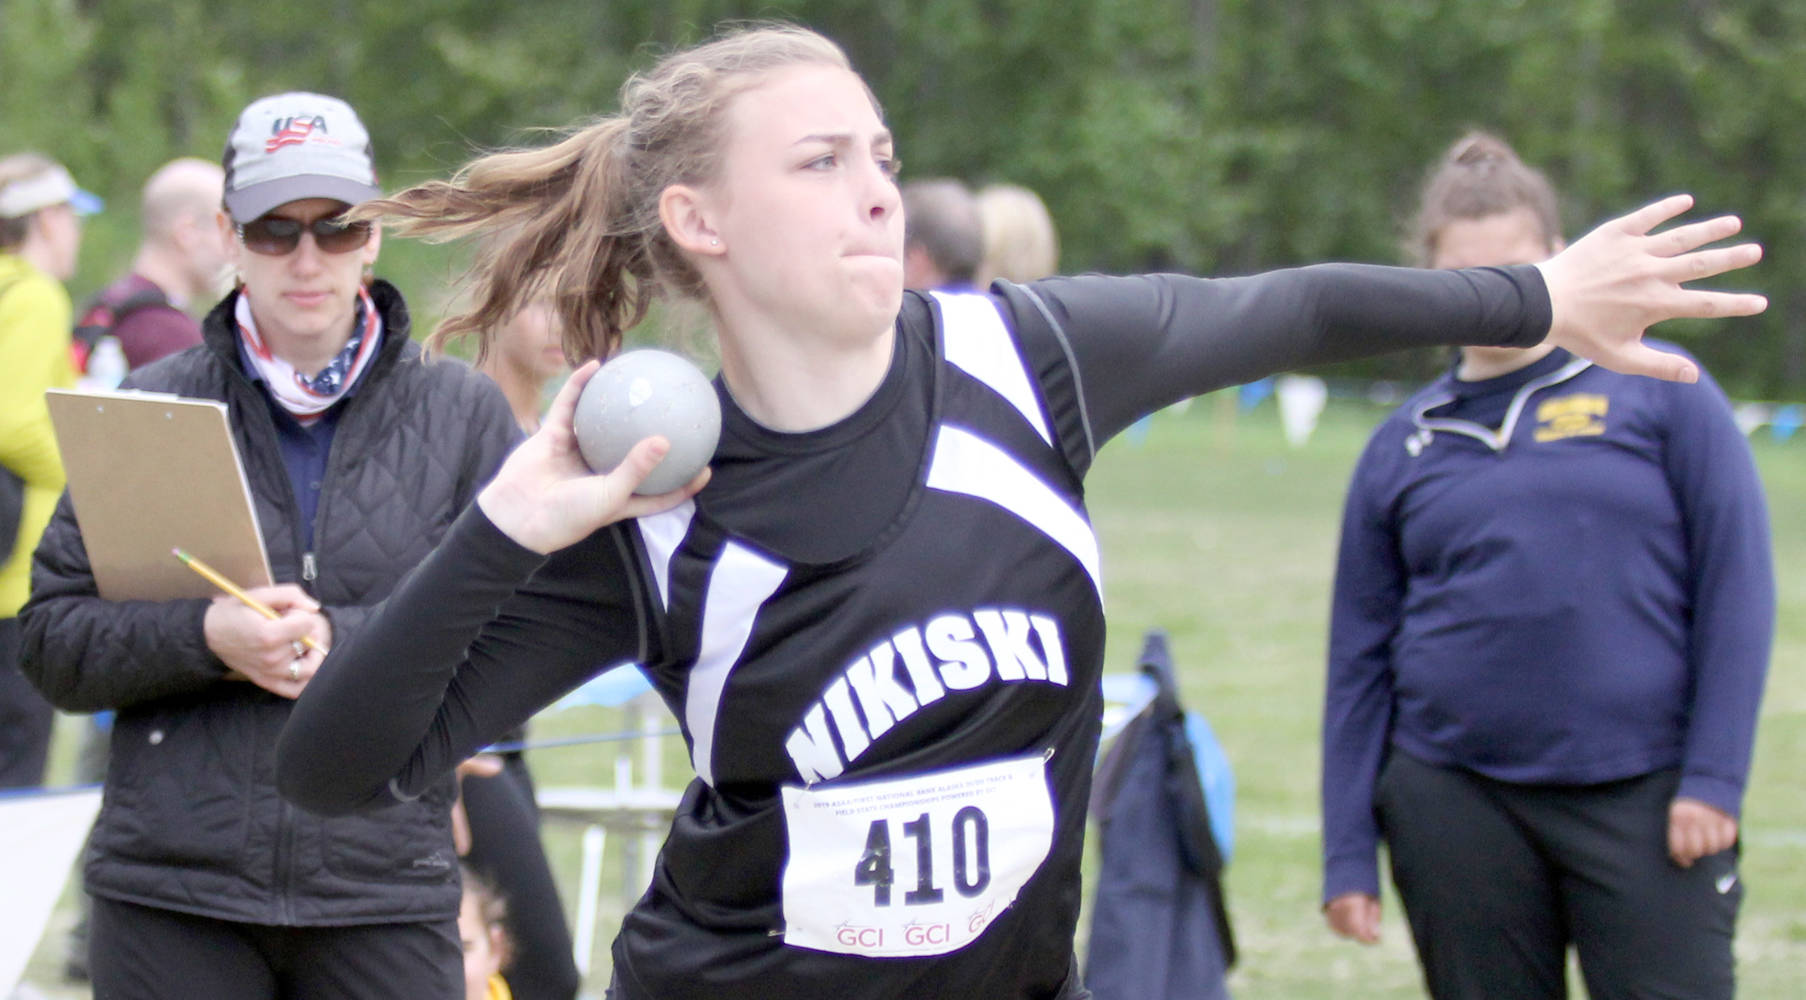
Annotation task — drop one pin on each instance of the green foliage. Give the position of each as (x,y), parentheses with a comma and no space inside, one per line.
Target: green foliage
(1211,136)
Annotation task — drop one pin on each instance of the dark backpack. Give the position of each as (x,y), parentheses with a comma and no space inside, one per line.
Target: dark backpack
(12,495)
(104,312)
(12,508)
(1160,925)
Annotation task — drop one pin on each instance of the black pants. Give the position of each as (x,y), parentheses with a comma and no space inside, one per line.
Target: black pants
(141,953)
(1072,989)
(1497,880)
(26,718)
(505,847)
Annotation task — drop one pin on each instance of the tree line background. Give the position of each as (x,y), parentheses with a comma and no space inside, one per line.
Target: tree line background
(1206,136)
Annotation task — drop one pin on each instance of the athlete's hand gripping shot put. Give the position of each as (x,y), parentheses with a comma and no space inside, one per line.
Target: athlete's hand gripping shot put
(879,616)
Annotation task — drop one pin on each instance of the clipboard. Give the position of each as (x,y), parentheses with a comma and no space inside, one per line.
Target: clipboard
(149,472)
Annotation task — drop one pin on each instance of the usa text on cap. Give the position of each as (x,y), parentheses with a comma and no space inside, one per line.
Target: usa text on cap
(297,145)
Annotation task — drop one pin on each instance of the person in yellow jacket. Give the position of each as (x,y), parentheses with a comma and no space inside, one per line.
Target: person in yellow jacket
(40,235)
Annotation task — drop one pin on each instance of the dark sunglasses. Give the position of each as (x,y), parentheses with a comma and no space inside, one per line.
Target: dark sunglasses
(275,236)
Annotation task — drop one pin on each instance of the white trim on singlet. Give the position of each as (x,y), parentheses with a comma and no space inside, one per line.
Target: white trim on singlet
(740,582)
(662,533)
(980,345)
(967,464)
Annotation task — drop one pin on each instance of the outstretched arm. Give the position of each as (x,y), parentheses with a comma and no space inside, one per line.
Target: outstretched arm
(1109,350)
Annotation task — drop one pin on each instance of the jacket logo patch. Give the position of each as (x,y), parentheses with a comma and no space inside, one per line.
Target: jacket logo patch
(1580,414)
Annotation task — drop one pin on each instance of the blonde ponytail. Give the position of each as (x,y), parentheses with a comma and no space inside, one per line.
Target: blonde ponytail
(577,222)
(551,222)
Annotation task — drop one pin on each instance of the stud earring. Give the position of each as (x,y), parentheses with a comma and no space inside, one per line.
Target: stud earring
(714,242)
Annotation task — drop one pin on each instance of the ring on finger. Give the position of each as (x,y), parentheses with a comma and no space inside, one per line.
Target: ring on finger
(294,670)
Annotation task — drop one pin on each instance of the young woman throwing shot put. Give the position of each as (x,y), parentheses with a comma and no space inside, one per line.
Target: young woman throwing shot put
(881,622)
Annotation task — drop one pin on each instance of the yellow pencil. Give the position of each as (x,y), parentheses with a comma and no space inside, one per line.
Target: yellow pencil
(229,587)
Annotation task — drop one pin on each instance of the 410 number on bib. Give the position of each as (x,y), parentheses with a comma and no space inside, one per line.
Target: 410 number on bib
(913,866)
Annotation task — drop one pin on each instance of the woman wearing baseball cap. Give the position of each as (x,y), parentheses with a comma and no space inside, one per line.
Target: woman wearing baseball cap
(358,454)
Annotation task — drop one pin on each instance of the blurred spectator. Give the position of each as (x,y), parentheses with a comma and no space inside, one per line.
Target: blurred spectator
(943,238)
(181,261)
(1553,613)
(1019,237)
(482,925)
(40,237)
(526,360)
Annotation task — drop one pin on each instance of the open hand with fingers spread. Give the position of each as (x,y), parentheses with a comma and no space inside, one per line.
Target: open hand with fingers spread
(1613,283)
(545,497)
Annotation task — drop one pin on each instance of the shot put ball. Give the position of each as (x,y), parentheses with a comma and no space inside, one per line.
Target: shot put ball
(644,392)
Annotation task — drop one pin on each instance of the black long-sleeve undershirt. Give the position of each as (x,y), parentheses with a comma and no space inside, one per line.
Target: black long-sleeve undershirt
(1141,343)
(485,632)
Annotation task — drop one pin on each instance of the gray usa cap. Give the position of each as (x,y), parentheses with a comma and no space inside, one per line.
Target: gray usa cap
(296,145)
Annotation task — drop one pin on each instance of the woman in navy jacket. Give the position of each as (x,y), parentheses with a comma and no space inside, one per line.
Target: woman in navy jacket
(1553,611)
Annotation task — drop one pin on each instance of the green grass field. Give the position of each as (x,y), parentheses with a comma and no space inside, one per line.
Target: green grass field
(1216,531)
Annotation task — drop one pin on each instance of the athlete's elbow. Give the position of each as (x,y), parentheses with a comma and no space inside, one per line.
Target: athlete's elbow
(316,785)
(306,791)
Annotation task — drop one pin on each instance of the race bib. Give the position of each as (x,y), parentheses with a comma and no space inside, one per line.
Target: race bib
(913,866)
